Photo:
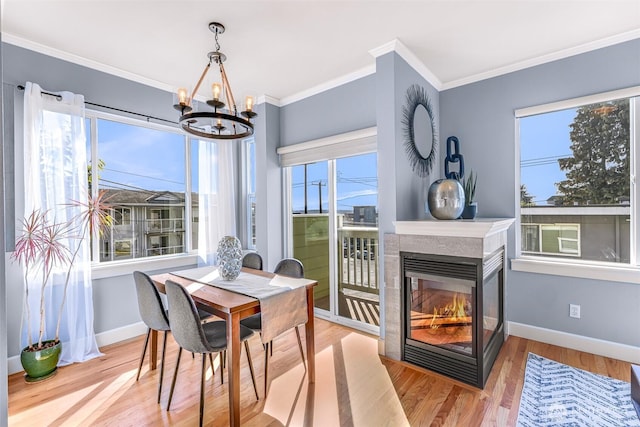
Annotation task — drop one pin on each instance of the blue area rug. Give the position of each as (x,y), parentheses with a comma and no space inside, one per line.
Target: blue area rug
(559,395)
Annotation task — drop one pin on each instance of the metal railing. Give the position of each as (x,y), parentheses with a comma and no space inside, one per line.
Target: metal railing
(357,259)
(164,250)
(164,225)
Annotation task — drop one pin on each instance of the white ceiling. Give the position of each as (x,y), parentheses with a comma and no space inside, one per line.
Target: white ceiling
(286,48)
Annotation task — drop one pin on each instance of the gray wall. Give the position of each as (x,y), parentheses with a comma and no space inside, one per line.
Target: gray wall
(349,107)
(482,116)
(269,210)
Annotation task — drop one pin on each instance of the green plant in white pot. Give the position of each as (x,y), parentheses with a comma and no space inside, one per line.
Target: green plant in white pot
(42,247)
(470,205)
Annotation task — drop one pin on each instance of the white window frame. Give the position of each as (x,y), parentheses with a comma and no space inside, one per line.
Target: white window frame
(616,272)
(246,195)
(107,269)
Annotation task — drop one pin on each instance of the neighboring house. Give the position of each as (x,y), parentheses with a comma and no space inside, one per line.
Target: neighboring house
(595,233)
(146,223)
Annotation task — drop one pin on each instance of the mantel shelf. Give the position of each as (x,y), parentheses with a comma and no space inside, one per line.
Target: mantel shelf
(476,228)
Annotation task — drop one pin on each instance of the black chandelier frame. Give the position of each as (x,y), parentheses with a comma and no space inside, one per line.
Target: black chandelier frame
(211,124)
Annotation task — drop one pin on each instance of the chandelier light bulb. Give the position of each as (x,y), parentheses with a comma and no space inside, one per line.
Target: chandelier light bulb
(216,91)
(183,96)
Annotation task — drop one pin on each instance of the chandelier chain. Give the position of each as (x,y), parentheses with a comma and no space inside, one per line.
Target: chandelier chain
(217,43)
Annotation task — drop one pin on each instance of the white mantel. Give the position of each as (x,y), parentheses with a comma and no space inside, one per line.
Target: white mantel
(479,227)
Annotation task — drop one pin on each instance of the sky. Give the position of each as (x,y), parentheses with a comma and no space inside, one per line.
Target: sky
(544,139)
(356,181)
(156,161)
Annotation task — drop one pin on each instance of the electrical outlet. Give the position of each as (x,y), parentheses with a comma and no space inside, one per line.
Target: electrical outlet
(574,311)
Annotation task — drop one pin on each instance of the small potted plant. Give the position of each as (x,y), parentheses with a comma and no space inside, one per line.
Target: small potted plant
(42,247)
(470,205)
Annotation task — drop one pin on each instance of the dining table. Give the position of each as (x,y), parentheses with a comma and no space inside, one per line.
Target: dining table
(233,307)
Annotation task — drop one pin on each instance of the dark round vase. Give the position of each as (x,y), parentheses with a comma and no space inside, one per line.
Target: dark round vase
(40,364)
(470,211)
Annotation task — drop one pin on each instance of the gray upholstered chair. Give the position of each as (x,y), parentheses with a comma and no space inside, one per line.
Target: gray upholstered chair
(252,260)
(286,267)
(155,316)
(197,337)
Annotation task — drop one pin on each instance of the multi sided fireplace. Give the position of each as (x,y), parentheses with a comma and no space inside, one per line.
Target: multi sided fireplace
(453,313)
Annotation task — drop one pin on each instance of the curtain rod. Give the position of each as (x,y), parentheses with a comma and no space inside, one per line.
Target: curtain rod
(93,104)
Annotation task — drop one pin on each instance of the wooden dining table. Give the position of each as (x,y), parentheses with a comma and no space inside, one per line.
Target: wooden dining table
(233,307)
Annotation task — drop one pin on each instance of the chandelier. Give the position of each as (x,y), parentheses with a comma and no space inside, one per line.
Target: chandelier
(221,123)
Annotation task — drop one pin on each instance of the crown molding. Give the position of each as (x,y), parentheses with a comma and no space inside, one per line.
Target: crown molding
(65,56)
(405,53)
(555,56)
(355,75)
(262,99)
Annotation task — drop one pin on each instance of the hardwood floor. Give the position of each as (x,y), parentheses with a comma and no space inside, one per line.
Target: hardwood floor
(354,387)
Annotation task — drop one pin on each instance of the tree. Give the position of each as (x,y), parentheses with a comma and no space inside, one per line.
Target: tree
(526,199)
(598,172)
(101,166)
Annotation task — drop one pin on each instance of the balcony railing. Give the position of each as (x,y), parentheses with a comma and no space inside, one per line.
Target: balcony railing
(357,259)
(164,225)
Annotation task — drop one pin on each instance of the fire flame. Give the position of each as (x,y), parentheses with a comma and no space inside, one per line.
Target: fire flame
(454,310)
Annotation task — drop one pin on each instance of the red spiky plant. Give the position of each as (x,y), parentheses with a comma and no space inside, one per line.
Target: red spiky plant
(42,244)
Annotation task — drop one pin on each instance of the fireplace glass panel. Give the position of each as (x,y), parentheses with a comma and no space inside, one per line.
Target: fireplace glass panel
(491,320)
(442,311)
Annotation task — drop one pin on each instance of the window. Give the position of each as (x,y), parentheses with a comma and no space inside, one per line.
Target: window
(250,190)
(577,199)
(144,171)
(551,239)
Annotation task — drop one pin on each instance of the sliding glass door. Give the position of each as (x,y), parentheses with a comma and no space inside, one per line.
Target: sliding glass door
(357,292)
(334,232)
(310,225)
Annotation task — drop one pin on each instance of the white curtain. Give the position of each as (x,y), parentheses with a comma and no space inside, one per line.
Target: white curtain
(55,173)
(216,197)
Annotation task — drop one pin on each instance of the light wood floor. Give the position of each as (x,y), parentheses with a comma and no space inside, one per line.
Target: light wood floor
(354,387)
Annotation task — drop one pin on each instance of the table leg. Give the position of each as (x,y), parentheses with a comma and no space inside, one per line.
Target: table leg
(153,351)
(233,354)
(309,330)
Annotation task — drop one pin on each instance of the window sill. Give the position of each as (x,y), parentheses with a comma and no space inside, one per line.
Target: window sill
(122,268)
(569,268)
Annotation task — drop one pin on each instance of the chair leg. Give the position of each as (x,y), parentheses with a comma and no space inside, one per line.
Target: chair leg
(144,351)
(266,368)
(304,363)
(204,368)
(213,371)
(164,348)
(175,375)
(223,356)
(253,375)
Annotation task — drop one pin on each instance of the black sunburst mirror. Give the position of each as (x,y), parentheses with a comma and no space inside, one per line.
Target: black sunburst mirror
(419,129)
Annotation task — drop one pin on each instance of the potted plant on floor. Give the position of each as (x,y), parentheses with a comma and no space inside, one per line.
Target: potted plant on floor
(42,248)
(470,205)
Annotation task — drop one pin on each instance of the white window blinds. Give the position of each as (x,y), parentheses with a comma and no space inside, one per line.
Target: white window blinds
(332,147)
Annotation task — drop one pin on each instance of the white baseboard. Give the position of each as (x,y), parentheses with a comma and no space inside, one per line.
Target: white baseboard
(104,338)
(120,334)
(600,347)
